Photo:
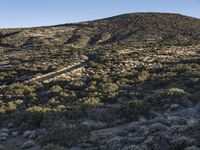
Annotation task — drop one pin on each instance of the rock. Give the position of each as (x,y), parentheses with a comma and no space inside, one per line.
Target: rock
(192,122)
(174,107)
(39,138)
(94,124)
(3,136)
(28,144)
(27,134)
(10,125)
(14,134)
(33,135)
(4,130)
(142,119)
(40,131)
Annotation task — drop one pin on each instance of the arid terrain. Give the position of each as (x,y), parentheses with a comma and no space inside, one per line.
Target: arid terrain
(129,82)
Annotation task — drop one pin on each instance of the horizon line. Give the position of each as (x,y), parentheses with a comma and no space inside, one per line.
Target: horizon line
(90,20)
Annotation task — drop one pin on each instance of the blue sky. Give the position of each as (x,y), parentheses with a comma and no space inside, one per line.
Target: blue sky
(27,13)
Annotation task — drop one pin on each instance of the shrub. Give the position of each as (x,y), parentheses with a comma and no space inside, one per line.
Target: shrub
(2,110)
(110,87)
(60,107)
(144,75)
(19,102)
(195,97)
(38,109)
(107,114)
(174,92)
(2,107)
(20,89)
(56,89)
(131,110)
(77,85)
(92,101)
(66,134)
(11,106)
(29,120)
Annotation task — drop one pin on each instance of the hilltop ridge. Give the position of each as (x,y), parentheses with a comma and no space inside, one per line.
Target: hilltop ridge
(134,29)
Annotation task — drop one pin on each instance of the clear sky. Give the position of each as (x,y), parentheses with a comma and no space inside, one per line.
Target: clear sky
(28,13)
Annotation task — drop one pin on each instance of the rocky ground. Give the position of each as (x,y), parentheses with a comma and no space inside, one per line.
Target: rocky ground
(176,129)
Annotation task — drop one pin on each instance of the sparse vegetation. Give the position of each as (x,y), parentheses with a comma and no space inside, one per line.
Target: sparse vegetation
(70,81)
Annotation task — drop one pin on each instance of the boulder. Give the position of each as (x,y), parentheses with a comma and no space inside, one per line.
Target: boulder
(4,130)
(174,107)
(94,124)
(14,134)
(28,134)
(28,144)
(3,136)
(10,125)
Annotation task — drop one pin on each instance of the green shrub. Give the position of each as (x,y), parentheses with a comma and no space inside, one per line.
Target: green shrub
(2,107)
(20,89)
(11,106)
(110,87)
(2,110)
(56,89)
(92,101)
(60,108)
(19,102)
(144,75)
(174,92)
(34,109)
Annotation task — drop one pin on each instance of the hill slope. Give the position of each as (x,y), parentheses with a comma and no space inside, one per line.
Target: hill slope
(133,29)
(126,82)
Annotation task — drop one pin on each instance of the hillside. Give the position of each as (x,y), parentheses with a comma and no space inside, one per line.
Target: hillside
(125,82)
(135,29)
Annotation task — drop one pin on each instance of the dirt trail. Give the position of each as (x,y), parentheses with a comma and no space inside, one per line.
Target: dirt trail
(56,73)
